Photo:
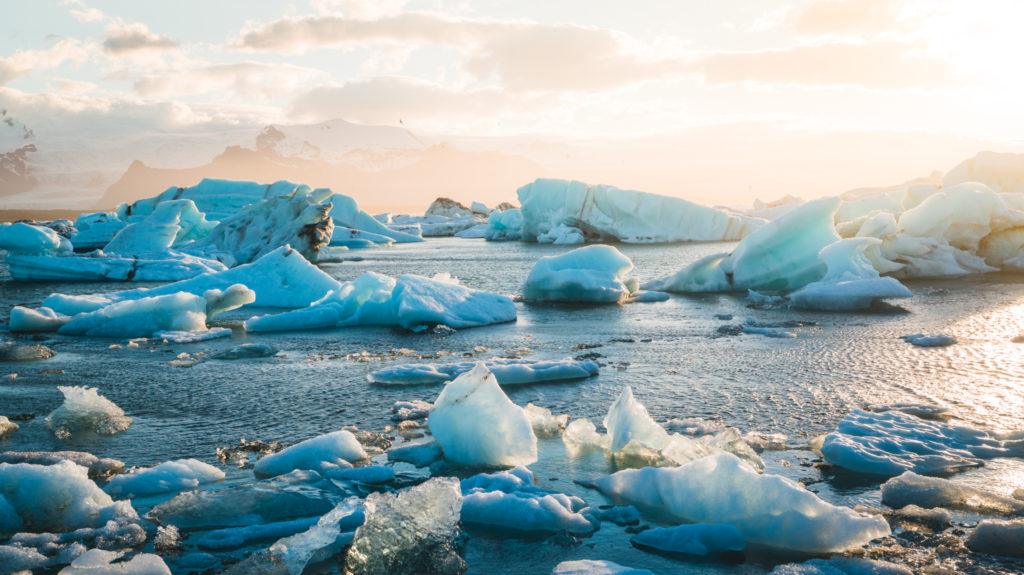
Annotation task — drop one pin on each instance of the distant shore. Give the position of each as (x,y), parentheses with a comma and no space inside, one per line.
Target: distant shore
(40,215)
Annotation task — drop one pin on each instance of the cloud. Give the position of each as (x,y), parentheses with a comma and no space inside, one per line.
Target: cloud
(879,65)
(524,56)
(79,11)
(252,80)
(24,61)
(125,38)
(864,18)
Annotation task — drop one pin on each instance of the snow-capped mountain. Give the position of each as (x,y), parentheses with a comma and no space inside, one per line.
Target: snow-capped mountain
(17,146)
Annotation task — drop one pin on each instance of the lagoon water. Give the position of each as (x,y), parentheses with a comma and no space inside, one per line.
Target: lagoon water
(673,354)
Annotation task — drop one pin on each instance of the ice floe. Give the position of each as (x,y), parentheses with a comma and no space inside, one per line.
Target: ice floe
(476,424)
(851,281)
(510,502)
(101,562)
(841,566)
(22,238)
(412,302)
(768,510)
(507,371)
(691,539)
(929,492)
(891,442)
(169,476)
(98,467)
(86,411)
(569,212)
(998,537)
(321,453)
(595,274)
(596,567)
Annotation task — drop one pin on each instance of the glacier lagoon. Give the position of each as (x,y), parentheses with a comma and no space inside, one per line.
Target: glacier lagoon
(689,356)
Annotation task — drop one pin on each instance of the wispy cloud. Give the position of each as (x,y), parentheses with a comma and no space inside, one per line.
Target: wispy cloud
(23,62)
(125,38)
(251,80)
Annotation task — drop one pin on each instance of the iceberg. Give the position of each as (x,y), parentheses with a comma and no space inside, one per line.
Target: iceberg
(218,199)
(412,302)
(428,516)
(22,238)
(590,274)
(171,223)
(322,453)
(544,423)
(233,537)
(347,214)
(930,492)
(510,502)
(101,562)
(169,476)
(891,442)
(282,278)
(596,567)
(95,230)
(692,539)
(86,411)
(505,225)
(768,510)
(841,566)
(998,537)
(607,213)
(97,467)
(418,454)
(168,266)
(476,424)
(851,281)
(507,371)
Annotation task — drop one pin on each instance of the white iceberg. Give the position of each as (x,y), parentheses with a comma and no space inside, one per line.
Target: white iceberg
(851,281)
(476,424)
(101,562)
(95,230)
(321,453)
(168,476)
(510,502)
(412,302)
(86,411)
(588,274)
(608,213)
(1003,172)
(691,539)
(171,223)
(768,510)
(892,442)
(930,492)
(428,515)
(507,371)
(596,567)
(346,213)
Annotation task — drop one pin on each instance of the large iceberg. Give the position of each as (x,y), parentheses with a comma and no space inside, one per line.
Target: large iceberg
(508,371)
(218,199)
(412,302)
(505,225)
(173,222)
(589,274)
(477,424)
(575,211)
(892,442)
(768,510)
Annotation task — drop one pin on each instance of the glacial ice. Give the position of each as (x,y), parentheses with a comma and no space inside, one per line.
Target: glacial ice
(173,222)
(510,502)
(233,537)
(926,340)
(428,515)
(281,278)
(410,301)
(851,281)
(100,562)
(368,474)
(320,542)
(97,467)
(476,424)
(418,454)
(543,422)
(7,427)
(350,238)
(193,336)
(169,476)
(998,537)
(218,199)
(691,539)
(86,411)
(168,266)
(929,492)
(57,498)
(581,434)
(321,453)
(505,226)
(22,238)
(594,273)
(507,371)
(1003,173)
(841,566)
(769,510)
(892,442)
(596,567)
(346,213)
(608,213)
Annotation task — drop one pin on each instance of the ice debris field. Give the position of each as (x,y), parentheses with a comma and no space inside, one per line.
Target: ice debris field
(264,378)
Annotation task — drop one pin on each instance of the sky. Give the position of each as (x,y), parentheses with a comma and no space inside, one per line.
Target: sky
(709,100)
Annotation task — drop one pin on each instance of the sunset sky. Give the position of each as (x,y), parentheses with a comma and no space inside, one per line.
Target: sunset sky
(806,97)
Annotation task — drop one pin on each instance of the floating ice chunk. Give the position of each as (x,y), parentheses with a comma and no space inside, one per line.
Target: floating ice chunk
(507,371)
(543,422)
(913,489)
(768,509)
(44,319)
(691,539)
(998,537)
(246,351)
(851,281)
(233,537)
(57,498)
(169,476)
(86,411)
(609,213)
(589,274)
(368,474)
(408,410)
(22,238)
(505,225)
(193,336)
(346,213)
(418,454)
(100,562)
(172,222)
(841,566)
(7,427)
(282,278)
(582,434)
(98,467)
(892,442)
(96,229)
(509,501)
(562,235)
(628,422)
(781,256)
(478,231)
(322,453)
(167,266)
(476,423)
(12,351)
(596,567)
(351,238)
(410,302)
(300,219)
(923,340)
(15,559)
(429,518)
